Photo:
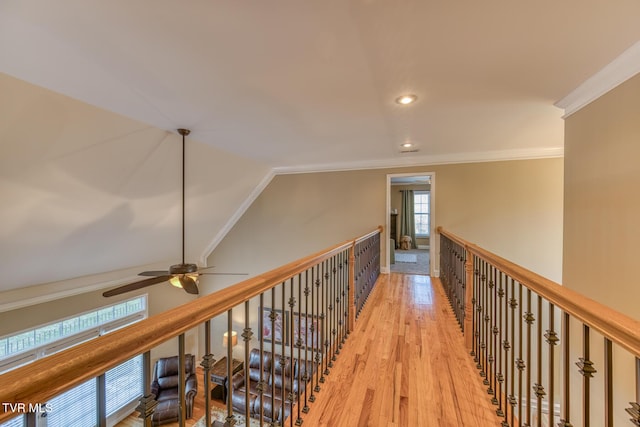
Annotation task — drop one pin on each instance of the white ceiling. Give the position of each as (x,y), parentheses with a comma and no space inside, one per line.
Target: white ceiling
(296,85)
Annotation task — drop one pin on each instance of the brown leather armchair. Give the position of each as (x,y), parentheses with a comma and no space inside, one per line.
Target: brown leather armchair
(271,402)
(165,387)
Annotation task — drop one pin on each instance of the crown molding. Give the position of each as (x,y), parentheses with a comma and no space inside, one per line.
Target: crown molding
(413,160)
(615,73)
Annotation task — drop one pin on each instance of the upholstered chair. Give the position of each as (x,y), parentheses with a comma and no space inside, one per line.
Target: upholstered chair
(165,388)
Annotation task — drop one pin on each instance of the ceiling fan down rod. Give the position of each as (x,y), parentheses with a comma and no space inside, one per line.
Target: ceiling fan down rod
(183,132)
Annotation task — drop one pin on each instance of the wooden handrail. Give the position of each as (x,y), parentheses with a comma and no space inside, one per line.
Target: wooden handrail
(45,378)
(370,234)
(619,328)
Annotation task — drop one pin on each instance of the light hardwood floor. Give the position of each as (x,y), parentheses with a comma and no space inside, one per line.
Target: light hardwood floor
(404,365)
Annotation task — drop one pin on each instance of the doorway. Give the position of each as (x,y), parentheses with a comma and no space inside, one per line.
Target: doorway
(410,223)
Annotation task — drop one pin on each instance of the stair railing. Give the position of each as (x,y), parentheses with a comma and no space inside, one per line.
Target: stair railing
(513,320)
(296,317)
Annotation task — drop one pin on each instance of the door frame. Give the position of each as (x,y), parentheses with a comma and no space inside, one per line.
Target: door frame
(433,242)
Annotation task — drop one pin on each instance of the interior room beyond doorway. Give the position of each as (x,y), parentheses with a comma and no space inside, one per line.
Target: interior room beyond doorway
(410,223)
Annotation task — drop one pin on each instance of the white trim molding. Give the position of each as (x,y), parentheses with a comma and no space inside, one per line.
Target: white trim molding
(615,73)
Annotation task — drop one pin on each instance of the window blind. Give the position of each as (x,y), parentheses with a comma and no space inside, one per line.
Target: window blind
(15,422)
(76,407)
(123,384)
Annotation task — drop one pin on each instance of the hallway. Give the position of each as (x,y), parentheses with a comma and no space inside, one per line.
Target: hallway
(405,365)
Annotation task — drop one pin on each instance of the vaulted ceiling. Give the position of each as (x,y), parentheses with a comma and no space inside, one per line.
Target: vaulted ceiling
(264,86)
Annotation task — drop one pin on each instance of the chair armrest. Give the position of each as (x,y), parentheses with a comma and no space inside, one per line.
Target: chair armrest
(192,385)
(237,380)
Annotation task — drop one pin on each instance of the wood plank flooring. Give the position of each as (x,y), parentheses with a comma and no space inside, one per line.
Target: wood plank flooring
(404,365)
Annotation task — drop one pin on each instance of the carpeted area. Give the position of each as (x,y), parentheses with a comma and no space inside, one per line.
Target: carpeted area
(413,261)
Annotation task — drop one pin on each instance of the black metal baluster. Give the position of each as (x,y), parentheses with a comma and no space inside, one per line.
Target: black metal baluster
(291,398)
(261,385)
(552,339)
(485,325)
(493,333)
(325,318)
(301,363)
(307,376)
(538,387)
(608,383)
(587,370)
(283,352)
(566,378)
(634,410)
(230,419)
(520,362)
(148,402)
(474,310)
(272,318)
(499,334)
(330,297)
(513,304)
(317,338)
(207,363)
(182,380)
(529,319)
(247,334)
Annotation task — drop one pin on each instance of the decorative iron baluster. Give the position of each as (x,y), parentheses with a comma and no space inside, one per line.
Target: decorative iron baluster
(306,379)
(552,339)
(291,397)
(513,304)
(566,379)
(634,410)
(230,420)
(316,335)
(247,334)
(261,387)
(520,362)
(207,363)
(538,387)
(148,401)
(529,319)
(493,333)
(587,370)
(499,348)
(608,383)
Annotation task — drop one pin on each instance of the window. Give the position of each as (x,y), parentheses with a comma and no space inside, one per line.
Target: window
(78,406)
(421,212)
(27,346)
(14,422)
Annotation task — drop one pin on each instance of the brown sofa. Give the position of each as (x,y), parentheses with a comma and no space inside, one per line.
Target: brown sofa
(271,403)
(165,387)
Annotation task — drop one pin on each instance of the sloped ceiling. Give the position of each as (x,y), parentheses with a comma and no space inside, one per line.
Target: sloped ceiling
(285,85)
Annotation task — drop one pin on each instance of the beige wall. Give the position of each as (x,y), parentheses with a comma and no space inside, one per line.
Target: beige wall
(602,203)
(513,208)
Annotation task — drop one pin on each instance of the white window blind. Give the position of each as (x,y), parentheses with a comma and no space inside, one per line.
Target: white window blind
(15,422)
(123,384)
(77,407)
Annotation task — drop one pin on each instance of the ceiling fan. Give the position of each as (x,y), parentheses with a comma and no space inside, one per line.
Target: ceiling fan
(181,275)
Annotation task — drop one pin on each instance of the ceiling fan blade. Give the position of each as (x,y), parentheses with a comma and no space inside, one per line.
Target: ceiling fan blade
(154,273)
(189,285)
(135,285)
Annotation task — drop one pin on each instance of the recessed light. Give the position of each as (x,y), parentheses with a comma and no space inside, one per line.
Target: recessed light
(407,145)
(406,99)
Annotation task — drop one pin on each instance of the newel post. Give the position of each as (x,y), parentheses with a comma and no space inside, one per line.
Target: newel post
(352,286)
(468,298)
